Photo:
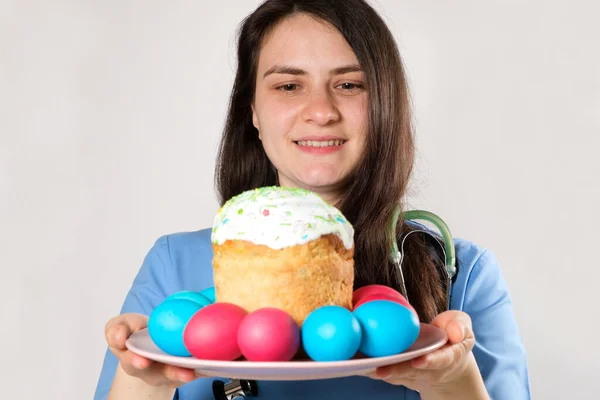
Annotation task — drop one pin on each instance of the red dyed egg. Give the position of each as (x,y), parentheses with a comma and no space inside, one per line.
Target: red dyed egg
(374,289)
(382,296)
(269,334)
(211,334)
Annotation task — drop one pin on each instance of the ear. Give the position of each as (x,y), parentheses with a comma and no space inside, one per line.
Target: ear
(255,120)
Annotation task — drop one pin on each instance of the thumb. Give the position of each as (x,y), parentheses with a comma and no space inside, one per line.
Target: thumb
(457,324)
(118,329)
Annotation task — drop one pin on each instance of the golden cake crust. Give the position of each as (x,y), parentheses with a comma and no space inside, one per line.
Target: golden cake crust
(296,279)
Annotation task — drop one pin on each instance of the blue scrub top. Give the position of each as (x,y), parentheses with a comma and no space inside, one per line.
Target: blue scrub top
(183,261)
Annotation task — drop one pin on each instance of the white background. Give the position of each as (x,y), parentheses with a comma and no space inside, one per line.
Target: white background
(110,113)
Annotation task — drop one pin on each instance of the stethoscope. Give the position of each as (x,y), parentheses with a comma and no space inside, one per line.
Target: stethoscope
(238,389)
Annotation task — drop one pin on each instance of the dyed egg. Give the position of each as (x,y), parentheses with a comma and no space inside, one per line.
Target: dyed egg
(192,296)
(383,296)
(209,293)
(331,333)
(374,289)
(269,334)
(211,334)
(388,328)
(167,323)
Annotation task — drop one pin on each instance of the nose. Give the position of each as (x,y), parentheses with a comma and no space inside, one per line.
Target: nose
(320,108)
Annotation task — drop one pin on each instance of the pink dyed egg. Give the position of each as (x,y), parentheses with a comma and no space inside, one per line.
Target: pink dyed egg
(211,334)
(269,334)
(382,296)
(374,289)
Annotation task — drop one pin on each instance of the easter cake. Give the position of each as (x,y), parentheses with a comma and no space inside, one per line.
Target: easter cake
(284,248)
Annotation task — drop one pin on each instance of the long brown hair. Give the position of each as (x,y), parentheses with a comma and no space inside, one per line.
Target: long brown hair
(379,181)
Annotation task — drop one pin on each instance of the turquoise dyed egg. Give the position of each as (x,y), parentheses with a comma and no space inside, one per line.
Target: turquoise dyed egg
(167,323)
(192,296)
(209,293)
(331,333)
(388,328)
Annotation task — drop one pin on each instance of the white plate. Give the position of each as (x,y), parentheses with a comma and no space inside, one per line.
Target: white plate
(430,338)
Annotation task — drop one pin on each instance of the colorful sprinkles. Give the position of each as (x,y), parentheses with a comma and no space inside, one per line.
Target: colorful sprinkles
(279,217)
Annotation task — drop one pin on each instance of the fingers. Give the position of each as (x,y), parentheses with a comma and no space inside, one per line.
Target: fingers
(178,374)
(133,364)
(445,357)
(447,318)
(155,373)
(139,362)
(118,329)
(461,339)
(451,357)
(163,374)
(456,331)
(457,324)
(439,359)
(403,369)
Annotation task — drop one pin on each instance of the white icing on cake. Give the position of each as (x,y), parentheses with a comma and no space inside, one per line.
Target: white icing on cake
(279,217)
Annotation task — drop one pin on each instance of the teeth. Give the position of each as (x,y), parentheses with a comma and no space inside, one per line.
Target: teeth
(324,143)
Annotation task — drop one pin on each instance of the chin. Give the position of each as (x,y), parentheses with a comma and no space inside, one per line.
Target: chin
(315,182)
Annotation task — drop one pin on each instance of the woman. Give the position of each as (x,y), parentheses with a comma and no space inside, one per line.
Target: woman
(320,102)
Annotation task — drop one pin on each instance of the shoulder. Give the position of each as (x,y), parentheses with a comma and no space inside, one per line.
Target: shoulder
(181,243)
(479,273)
(479,282)
(470,257)
(481,291)
(186,258)
(475,264)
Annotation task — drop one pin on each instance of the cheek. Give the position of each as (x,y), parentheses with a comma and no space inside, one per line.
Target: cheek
(357,115)
(276,120)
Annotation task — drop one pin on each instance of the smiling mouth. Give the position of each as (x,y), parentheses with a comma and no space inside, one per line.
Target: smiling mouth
(323,143)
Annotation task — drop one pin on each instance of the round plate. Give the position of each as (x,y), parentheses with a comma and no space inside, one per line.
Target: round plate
(430,338)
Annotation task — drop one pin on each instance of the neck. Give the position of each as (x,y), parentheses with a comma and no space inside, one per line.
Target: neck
(329,195)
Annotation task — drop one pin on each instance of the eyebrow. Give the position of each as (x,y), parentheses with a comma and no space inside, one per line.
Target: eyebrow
(288,70)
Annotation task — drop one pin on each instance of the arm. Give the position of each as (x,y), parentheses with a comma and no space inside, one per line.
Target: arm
(484,357)
(483,339)
(498,349)
(472,383)
(126,386)
(151,285)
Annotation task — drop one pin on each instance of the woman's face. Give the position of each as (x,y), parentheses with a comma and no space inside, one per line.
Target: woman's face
(310,105)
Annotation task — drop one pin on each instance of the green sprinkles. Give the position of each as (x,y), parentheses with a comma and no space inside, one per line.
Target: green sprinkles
(304,214)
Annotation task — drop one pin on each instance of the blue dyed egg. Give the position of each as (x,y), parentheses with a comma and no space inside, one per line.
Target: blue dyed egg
(167,323)
(388,328)
(331,333)
(209,293)
(192,296)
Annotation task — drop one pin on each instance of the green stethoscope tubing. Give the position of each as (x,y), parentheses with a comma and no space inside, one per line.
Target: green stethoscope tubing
(450,257)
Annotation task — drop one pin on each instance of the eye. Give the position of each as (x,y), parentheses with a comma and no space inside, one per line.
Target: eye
(347,86)
(288,87)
